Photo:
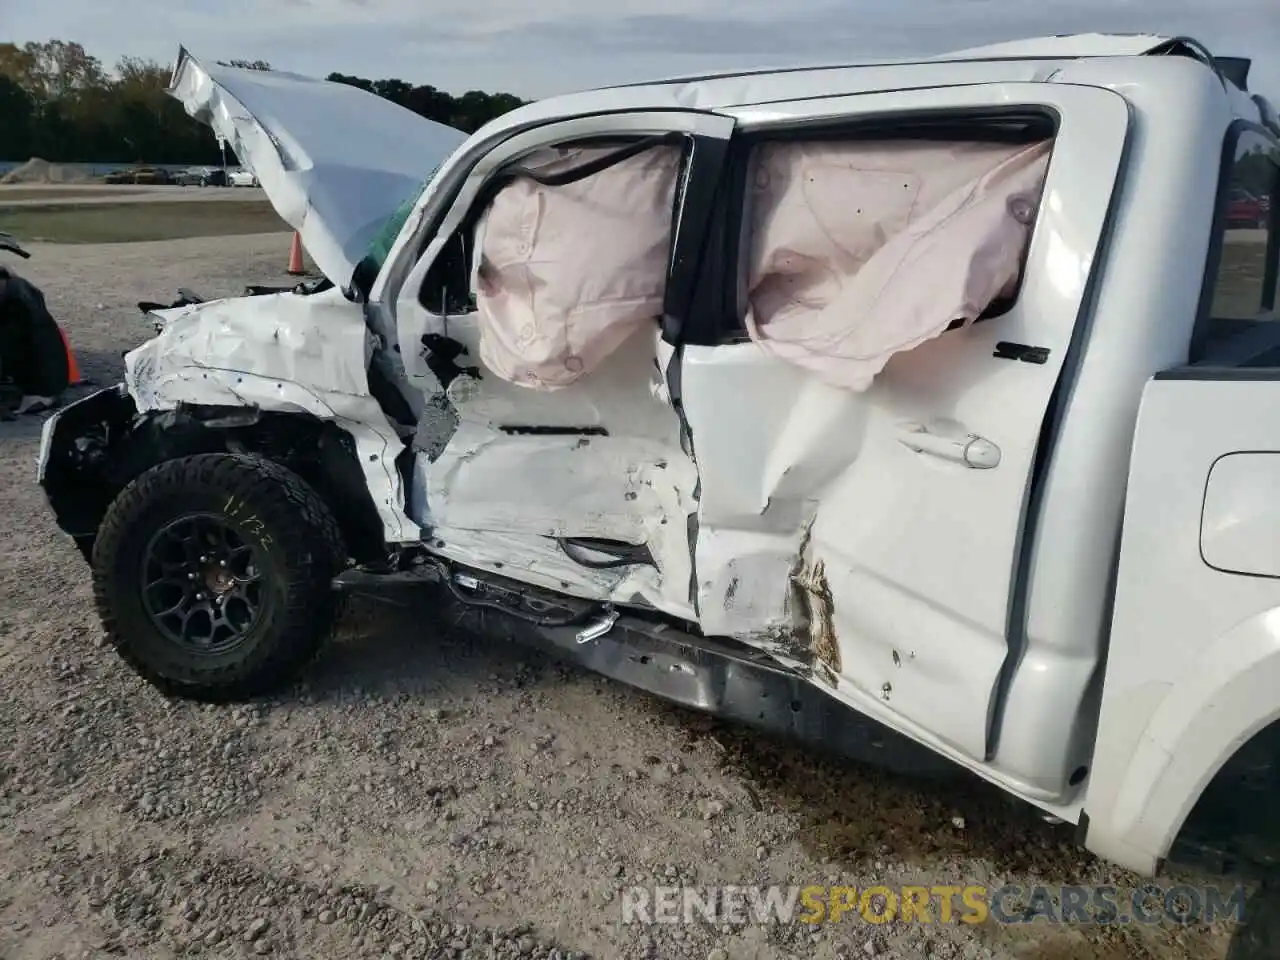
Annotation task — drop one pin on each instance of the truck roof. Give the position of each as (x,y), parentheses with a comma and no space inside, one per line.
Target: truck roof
(1057,47)
(1094,58)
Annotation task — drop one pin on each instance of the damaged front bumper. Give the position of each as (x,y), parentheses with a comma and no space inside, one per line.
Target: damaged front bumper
(73,466)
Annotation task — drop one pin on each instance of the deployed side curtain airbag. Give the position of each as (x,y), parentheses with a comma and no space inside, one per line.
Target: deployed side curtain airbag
(568,271)
(860,250)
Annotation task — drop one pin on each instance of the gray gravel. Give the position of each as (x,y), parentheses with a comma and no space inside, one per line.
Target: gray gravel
(55,194)
(424,793)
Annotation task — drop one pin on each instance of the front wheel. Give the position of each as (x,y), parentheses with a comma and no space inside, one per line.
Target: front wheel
(212,575)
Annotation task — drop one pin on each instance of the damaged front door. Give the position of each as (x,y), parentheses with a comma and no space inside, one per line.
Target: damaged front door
(548,444)
(866,449)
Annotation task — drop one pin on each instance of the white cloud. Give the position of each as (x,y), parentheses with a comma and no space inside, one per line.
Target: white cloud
(549,46)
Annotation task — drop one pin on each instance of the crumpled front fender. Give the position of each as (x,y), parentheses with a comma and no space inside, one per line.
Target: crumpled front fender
(281,353)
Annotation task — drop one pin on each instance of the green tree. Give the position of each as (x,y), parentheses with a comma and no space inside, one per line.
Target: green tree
(245,64)
(17,118)
(58,102)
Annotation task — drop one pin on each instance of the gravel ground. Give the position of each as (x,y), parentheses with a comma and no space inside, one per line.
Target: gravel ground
(424,793)
(40,195)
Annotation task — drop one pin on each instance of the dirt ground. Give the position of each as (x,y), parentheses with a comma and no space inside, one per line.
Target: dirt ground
(88,194)
(22,193)
(423,793)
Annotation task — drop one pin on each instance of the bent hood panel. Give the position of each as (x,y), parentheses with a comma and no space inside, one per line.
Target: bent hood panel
(335,161)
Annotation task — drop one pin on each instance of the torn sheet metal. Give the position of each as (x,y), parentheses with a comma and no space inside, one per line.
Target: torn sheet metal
(763,476)
(279,352)
(506,470)
(335,161)
(819,616)
(522,492)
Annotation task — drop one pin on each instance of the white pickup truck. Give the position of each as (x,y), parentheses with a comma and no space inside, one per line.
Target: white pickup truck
(921,409)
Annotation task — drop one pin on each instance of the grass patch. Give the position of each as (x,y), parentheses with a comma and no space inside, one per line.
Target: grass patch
(134,222)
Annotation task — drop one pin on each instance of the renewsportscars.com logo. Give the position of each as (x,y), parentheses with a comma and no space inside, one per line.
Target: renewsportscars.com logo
(939,903)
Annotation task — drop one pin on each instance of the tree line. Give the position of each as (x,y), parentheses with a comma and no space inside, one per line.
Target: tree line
(60,103)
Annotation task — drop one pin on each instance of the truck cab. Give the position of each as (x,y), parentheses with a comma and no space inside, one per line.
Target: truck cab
(918,404)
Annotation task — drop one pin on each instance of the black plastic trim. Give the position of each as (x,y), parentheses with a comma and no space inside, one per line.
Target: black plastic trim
(1008,350)
(705,162)
(557,431)
(1220,373)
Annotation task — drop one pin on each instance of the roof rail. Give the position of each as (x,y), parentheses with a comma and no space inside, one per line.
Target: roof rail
(1190,46)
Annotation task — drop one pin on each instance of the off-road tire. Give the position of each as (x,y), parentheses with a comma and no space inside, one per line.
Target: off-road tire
(303,553)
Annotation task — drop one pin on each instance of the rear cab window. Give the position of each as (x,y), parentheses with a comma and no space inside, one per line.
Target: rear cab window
(1240,282)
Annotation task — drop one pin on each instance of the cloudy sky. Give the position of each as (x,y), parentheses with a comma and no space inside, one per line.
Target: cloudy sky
(539,47)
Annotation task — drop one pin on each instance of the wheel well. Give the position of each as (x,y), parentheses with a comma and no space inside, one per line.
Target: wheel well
(98,450)
(1234,827)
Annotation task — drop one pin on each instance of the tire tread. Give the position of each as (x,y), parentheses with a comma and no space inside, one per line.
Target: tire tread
(313,552)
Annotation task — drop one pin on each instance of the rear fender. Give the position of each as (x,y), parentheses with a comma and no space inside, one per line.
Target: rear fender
(1193,663)
(1198,725)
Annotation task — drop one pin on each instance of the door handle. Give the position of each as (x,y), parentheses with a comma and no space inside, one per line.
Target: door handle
(969,449)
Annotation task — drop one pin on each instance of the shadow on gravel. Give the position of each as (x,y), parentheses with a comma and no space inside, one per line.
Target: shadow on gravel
(389,651)
(851,817)
(853,814)
(101,368)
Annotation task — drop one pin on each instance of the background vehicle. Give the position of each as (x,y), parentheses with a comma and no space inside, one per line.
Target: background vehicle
(140,175)
(201,177)
(243,177)
(1246,210)
(994,488)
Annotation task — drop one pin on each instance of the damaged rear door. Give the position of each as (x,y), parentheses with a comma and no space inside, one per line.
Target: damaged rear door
(548,447)
(866,517)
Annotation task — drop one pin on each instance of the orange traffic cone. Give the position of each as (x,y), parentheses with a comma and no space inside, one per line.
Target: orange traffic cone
(295,256)
(73,369)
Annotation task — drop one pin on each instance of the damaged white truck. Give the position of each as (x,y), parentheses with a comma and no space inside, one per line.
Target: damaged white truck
(922,405)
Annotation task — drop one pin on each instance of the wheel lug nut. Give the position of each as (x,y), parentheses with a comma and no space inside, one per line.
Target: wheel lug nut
(222,563)
(199,596)
(191,576)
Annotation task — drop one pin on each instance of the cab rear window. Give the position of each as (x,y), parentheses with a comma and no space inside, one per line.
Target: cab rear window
(1244,283)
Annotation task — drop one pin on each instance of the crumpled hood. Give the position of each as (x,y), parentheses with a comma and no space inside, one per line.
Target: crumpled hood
(335,161)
